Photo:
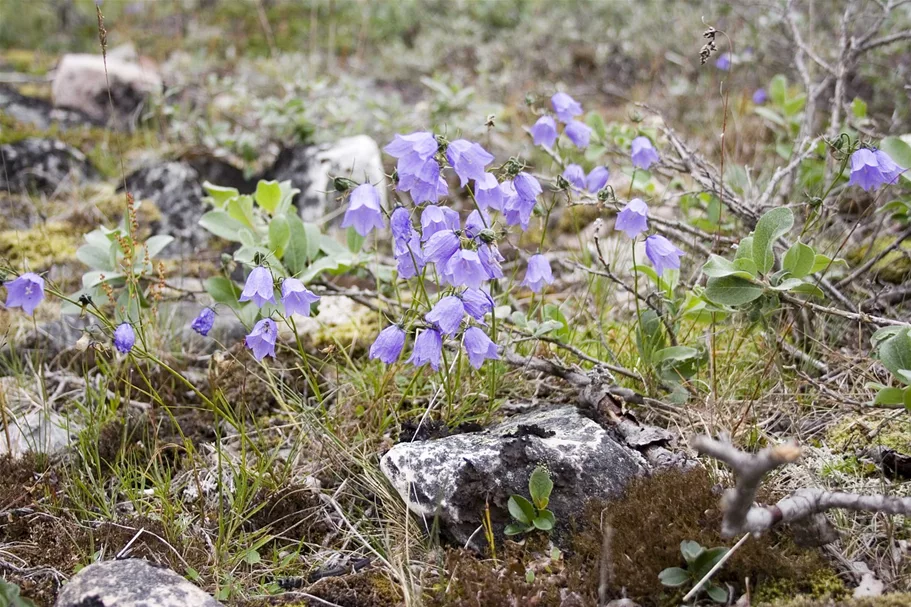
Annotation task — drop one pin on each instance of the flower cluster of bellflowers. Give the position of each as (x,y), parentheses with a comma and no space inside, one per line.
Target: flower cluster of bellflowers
(432,241)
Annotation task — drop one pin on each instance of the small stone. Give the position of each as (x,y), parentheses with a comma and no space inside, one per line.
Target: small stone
(131,583)
(40,431)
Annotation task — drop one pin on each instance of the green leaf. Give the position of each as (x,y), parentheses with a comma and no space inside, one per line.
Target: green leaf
(895,354)
(690,550)
(596,122)
(746,264)
(297,250)
(788,284)
(808,288)
(314,238)
(859,108)
(222,225)
(268,194)
(554,313)
(675,353)
(97,258)
(821,262)
(778,89)
(890,396)
(770,115)
(252,557)
(794,105)
(908,399)
(516,528)
(156,244)
(279,234)
(771,226)
(717,593)
(718,267)
(539,487)
(355,240)
(288,194)
(732,290)
(241,209)
(673,577)
(220,195)
(883,334)
(744,249)
(224,291)
(521,509)
(324,264)
(708,559)
(799,260)
(545,520)
(900,151)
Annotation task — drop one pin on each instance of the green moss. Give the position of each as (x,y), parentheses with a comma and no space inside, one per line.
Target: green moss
(874,428)
(850,466)
(41,246)
(889,600)
(894,267)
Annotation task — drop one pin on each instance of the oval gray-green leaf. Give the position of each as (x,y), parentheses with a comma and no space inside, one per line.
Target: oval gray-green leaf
(799,260)
(771,226)
(732,290)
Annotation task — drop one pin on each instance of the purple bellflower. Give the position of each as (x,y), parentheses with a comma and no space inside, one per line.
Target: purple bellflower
(488,193)
(441,247)
(476,222)
(435,219)
(490,257)
(202,324)
(872,168)
(296,297)
(259,287)
(478,347)
(402,230)
(124,337)
(388,345)
(447,315)
(25,291)
(760,96)
(418,171)
(468,159)
(261,340)
(579,133)
(477,303)
(544,131)
(428,348)
(409,257)
(565,107)
(642,153)
(575,175)
(633,218)
(364,211)
(538,273)
(662,253)
(597,179)
(465,269)
(723,62)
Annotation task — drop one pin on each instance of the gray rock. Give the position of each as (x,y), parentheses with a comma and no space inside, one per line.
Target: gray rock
(131,583)
(455,477)
(42,431)
(38,112)
(313,168)
(43,165)
(81,83)
(176,189)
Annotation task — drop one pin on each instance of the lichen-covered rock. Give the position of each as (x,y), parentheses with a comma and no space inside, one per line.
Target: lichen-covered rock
(38,112)
(176,189)
(42,165)
(131,583)
(456,477)
(81,84)
(312,169)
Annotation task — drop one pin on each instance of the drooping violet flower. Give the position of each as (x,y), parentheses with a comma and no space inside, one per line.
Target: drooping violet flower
(419,145)
(388,344)
(296,297)
(202,324)
(447,315)
(597,179)
(259,287)
(538,273)
(565,107)
(124,337)
(418,171)
(517,211)
(760,96)
(402,230)
(441,247)
(723,62)
(25,291)
(575,175)
(428,348)
(488,193)
(527,186)
(435,219)
(642,153)
(468,159)
(261,340)
(579,133)
(476,222)
(425,184)
(478,347)
(364,211)
(477,303)
(662,253)
(409,258)
(465,269)
(633,218)
(872,168)
(490,257)
(544,131)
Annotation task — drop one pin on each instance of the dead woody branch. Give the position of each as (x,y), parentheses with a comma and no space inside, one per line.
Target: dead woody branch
(742,516)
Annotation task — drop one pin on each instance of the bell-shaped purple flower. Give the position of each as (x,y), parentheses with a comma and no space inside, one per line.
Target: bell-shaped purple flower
(261,340)
(597,179)
(124,337)
(388,345)
(487,192)
(544,131)
(468,159)
(465,269)
(642,153)
(25,291)
(477,303)
(364,210)
(478,347)
(202,324)
(490,257)
(476,222)
(420,144)
(872,168)
(565,107)
(435,219)
(441,247)
(518,210)
(428,348)
(402,230)
(296,297)
(575,175)
(409,258)
(723,62)
(579,133)
(890,170)
(527,186)
(259,287)
(633,218)
(425,184)
(760,96)
(538,273)
(662,253)
(418,171)
(447,315)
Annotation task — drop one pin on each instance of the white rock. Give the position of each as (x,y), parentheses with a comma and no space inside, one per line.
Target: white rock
(41,431)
